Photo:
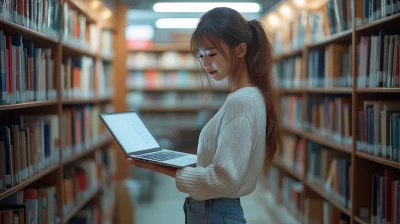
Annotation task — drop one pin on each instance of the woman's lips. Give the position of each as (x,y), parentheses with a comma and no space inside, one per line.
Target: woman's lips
(212,72)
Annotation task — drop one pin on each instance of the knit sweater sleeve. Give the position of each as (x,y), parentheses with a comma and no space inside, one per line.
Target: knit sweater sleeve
(224,177)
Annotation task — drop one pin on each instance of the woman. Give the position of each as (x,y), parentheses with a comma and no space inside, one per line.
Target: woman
(244,133)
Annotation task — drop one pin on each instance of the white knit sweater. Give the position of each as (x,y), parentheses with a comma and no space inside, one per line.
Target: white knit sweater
(231,149)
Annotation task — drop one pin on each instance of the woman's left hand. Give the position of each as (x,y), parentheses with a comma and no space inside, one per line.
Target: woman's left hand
(170,171)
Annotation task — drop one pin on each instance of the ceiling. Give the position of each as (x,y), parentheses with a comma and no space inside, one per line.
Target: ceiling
(148,4)
(141,13)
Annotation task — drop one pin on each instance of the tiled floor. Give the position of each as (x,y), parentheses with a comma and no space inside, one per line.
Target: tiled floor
(167,208)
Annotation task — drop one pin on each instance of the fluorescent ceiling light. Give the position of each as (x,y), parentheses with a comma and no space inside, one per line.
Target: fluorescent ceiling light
(205,6)
(177,23)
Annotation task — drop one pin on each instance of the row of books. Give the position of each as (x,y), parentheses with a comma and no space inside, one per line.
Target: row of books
(378,61)
(151,79)
(104,79)
(330,66)
(292,112)
(293,153)
(80,182)
(107,41)
(333,16)
(43,16)
(289,72)
(77,78)
(291,195)
(78,32)
(27,72)
(369,11)
(40,205)
(379,129)
(385,201)
(173,99)
(330,117)
(166,59)
(27,146)
(82,128)
(331,170)
(317,210)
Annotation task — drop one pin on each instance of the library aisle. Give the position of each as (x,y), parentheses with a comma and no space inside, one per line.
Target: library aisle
(167,206)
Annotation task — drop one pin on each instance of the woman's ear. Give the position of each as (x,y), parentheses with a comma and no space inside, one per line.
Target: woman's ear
(241,50)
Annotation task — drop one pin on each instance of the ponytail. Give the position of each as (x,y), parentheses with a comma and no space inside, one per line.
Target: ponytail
(259,65)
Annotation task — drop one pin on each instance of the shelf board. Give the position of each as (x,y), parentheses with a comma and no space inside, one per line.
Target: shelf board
(318,139)
(76,50)
(327,197)
(164,69)
(359,221)
(380,160)
(288,170)
(79,206)
(376,24)
(378,90)
(178,89)
(87,151)
(337,37)
(29,104)
(27,182)
(13,28)
(175,109)
(288,54)
(330,90)
(165,47)
(87,101)
(295,90)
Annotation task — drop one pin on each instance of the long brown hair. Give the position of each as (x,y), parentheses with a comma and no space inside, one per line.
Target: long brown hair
(229,26)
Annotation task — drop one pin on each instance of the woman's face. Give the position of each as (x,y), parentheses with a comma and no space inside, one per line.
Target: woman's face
(213,61)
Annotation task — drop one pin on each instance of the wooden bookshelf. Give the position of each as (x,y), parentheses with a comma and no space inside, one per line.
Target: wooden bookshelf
(363,164)
(60,49)
(288,170)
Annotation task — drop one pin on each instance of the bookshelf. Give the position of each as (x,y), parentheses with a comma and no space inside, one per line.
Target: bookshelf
(54,82)
(341,101)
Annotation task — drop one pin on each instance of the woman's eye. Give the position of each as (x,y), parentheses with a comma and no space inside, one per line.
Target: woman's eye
(211,55)
(200,56)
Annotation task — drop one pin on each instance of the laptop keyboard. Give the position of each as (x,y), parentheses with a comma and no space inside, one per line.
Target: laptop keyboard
(162,156)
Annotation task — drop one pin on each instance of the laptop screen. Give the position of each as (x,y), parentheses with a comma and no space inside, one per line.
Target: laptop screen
(130,131)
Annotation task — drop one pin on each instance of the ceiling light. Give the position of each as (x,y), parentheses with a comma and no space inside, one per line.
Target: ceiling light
(205,6)
(106,14)
(285,11)
(177,23)
(300,2)
(273,20)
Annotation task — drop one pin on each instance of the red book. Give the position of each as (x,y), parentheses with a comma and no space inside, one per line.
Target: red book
(30,194)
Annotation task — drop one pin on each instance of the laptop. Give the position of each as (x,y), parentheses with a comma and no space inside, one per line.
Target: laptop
(137,142)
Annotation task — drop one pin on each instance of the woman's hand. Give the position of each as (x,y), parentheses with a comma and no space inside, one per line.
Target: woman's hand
(170,171)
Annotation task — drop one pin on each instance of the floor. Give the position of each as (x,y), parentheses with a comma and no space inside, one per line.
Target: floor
(168,208)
